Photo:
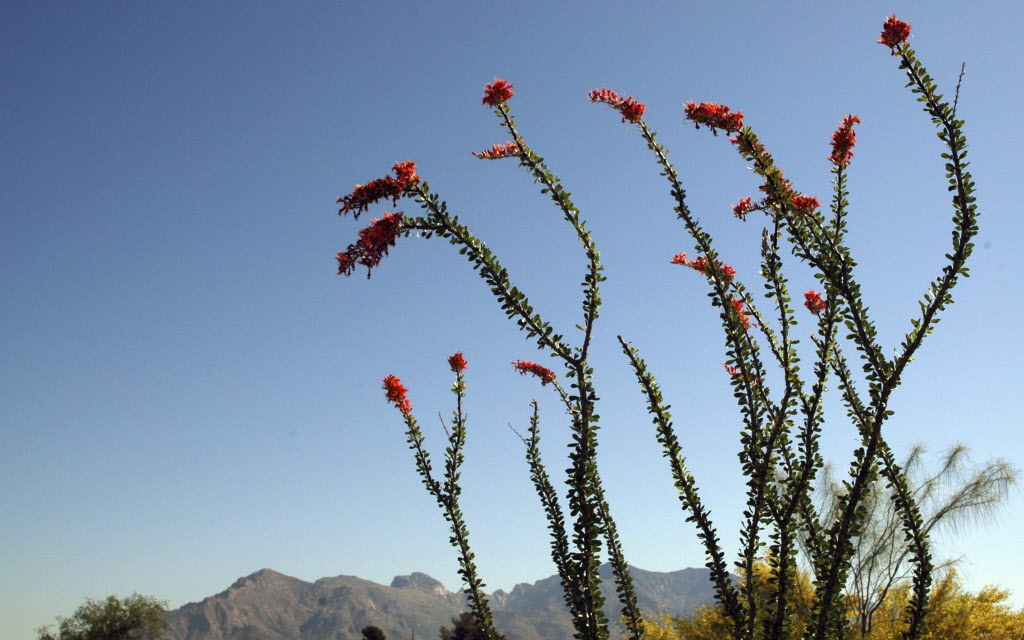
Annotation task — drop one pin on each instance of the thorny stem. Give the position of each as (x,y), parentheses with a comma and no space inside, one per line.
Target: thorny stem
(754,391)
(571,587)
(587,495)
(688,494)
(561,197)
(492,271)
(447,497)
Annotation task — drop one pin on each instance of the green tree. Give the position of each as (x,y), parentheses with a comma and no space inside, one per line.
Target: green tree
(464,628)
(136,617)
(373,633)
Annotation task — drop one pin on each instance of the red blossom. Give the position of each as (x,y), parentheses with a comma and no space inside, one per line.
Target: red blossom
(842,142)
(457,362)
(814,302)
(363,195)
(778,190)
(405,172)
(605,95)
(371,246)
(805,204)
(631,110)
(714,116)
(733,371)
(894,32)
(743,207)
(497,92)
(396,394)
(524,367)
(508,150)
(741,311)
(701,265)
(346,262)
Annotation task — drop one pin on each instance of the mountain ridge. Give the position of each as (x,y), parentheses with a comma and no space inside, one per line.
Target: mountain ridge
(269,605)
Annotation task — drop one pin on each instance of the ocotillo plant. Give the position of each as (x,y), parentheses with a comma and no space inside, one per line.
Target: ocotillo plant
(779,450)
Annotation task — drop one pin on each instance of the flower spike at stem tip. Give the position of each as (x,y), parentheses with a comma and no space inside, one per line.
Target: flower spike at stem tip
(714,116)
(371,246)
(842,142)
(457,362)
(374,240)
(524,367)
(497,92)
(631,110)
(363,195)
(396,394)
(894,33)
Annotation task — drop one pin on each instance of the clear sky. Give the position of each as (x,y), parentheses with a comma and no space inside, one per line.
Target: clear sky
(191,394)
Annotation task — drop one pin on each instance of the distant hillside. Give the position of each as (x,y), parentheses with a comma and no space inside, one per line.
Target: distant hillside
(268,605)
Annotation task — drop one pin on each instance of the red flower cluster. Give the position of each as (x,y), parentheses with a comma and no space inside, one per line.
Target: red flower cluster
(805,204)
(894,32)
(741,311)
(523,367)
(733,371)
(363,195)
(777,189)
(405,172)
(814,302)
(714,116)
(507,150)
(372,245)
(497,92)
(396,394)
(842,142)
(701,265)
(631,110)
(457,362)
(743,207)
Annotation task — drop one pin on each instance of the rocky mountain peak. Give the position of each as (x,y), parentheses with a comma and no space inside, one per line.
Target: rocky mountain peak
(420,582)
(263,576)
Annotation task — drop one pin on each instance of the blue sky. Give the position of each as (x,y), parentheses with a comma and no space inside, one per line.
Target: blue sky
(191,394)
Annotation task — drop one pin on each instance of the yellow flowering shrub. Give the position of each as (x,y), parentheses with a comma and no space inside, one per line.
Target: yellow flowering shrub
(954,614)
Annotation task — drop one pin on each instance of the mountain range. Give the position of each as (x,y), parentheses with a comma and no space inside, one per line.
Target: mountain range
(268,605)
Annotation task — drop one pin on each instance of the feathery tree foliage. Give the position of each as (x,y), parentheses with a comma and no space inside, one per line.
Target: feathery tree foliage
(955,494)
